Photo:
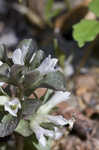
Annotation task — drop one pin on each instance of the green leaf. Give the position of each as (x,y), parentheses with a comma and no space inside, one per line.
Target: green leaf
(23,128)
(37,59)
(30,78)
(94,6)
(85,31)
(54,80)
(3,53)
(4,73)
(16,73)
(30,106)
(49,5)
(4,99)
(30,47)
(8,125)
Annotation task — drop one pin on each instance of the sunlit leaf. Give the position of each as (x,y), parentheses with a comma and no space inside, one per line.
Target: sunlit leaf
(85,31)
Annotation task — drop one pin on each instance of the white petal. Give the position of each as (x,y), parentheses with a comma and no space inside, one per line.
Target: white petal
(48,65)
(57,120)
(57,98)
(2,83)
(15,101)
(1,63)
(47,132)
(8,106)
(24,51)
(39,134)
(17,57)
(57,133)
(42,140)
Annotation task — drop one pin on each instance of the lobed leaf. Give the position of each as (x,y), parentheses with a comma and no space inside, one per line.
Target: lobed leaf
(85,31)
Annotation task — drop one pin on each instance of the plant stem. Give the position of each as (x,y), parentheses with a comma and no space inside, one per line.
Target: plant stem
(19,142)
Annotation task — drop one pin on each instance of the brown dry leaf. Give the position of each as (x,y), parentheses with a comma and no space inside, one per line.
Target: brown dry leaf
(39,92)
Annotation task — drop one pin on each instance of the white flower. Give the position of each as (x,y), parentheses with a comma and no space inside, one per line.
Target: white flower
(13,106)
(18,57)
(41,133)
(48,65)
(43,117)
(57,98)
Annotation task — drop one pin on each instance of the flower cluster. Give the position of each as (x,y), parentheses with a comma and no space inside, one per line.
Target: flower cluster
(42,116)
(29,71)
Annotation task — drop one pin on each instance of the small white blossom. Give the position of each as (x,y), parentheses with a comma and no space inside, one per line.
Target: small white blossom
(57,98)
(43,117)
(12,106)
(41,133)
(19,55)
(48,65)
